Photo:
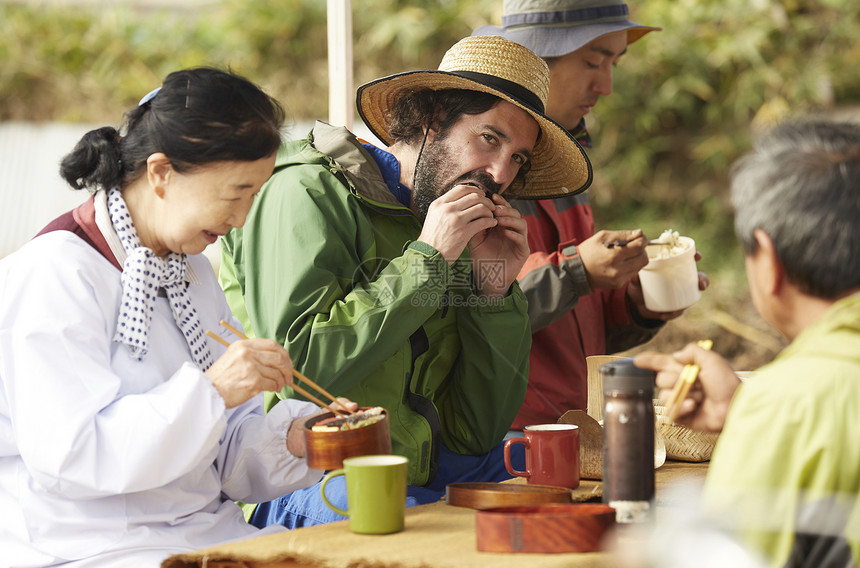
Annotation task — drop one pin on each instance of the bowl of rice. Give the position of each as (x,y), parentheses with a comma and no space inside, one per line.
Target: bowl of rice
(670,280)
(330,439)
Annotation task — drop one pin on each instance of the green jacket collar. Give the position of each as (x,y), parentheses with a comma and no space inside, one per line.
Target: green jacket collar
(821,336)
(342,152)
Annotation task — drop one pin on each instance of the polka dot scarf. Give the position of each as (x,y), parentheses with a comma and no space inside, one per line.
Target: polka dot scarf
(142,276)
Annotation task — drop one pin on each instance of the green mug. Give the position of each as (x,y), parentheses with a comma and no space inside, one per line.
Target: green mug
(375,492)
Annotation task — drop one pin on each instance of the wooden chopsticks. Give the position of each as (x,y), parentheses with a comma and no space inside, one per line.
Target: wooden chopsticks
(682,387)
(296,374)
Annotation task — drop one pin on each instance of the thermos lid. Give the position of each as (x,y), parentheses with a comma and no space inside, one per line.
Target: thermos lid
(623,375)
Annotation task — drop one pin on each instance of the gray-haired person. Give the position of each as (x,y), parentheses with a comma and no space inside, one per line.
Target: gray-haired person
(786,468)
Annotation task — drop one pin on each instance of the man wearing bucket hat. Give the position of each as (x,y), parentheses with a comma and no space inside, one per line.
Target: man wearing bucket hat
(389,273)
(584,298)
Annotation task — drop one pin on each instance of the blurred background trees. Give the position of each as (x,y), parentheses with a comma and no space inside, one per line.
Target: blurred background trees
(687,99)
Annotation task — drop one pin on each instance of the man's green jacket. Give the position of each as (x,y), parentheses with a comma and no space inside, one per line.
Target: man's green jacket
(328,264)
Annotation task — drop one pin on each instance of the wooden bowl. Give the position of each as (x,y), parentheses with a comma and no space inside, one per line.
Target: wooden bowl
(327,450)
(554,528)
(489,495)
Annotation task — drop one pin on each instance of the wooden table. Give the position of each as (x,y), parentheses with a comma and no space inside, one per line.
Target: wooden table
(436,536)
(674,474)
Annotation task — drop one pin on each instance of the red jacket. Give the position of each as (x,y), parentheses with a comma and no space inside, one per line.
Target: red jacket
(569,321)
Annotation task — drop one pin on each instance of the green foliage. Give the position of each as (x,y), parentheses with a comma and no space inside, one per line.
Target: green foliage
(685,100)
(412,35)
(90,64)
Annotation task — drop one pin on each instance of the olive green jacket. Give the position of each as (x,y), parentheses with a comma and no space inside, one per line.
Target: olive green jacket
(328,264)
(785,474)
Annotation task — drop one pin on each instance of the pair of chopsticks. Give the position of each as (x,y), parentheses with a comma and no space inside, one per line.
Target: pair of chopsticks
(623,243)
(296,374)
(682,387)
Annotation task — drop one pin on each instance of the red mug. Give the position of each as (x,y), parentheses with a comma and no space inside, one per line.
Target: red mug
(552,455)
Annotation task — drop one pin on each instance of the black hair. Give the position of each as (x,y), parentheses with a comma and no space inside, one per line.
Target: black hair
(413,110)
(198,116)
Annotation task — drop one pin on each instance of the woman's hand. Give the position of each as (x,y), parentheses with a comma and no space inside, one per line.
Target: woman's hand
(296,435)
(248,367)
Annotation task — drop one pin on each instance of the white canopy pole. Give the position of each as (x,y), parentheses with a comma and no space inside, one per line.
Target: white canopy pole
(341,95)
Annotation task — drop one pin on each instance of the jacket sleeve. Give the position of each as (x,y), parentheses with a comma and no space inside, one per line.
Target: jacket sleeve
(491,375)
(338,310)
(80,431)
(625,328)
(253,461)
(553,283)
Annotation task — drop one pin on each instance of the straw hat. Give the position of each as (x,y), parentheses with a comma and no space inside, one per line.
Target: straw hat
(559,166)
(552,28)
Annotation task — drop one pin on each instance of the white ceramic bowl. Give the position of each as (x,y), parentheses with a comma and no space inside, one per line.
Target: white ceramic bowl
(671,283)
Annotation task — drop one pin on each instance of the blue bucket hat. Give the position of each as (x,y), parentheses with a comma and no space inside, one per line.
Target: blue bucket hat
(552,28)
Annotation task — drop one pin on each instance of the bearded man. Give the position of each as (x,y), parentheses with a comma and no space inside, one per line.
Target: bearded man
(389,274)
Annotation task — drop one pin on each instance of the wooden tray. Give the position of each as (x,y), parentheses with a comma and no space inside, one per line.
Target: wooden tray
(487,495)
(553,528)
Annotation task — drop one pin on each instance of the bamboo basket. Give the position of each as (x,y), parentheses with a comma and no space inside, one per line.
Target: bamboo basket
(685,444)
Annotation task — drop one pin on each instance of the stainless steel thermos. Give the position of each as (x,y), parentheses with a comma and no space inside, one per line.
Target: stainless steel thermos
(628,440)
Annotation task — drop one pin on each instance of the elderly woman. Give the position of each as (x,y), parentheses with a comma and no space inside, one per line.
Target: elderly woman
(126,433)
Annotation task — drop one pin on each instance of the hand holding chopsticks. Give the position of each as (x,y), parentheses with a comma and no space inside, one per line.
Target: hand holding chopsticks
(295,373)
(682,387)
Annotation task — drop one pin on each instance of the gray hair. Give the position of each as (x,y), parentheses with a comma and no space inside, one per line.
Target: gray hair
(801,186)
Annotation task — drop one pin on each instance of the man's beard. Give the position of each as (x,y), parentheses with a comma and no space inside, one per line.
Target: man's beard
(436,164)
